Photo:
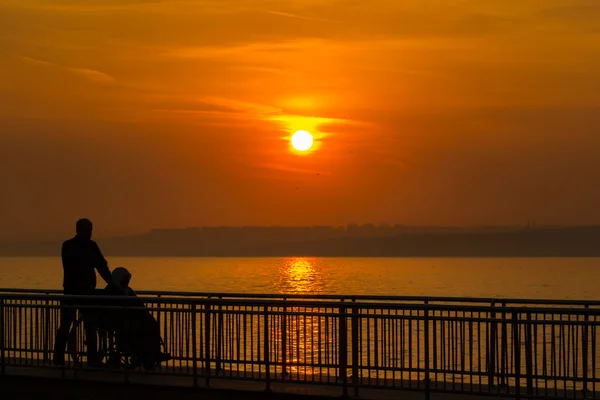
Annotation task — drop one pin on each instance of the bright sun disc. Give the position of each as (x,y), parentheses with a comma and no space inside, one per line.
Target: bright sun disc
(302,140)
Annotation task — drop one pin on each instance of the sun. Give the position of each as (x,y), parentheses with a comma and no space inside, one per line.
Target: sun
(302,140)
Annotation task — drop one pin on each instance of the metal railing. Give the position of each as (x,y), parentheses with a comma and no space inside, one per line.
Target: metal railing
(502,347)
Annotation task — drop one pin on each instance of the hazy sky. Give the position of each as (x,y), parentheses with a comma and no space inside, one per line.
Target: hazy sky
(144,114)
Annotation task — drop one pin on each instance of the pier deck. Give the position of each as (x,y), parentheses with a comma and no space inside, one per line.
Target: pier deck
(87,384)
(47,383)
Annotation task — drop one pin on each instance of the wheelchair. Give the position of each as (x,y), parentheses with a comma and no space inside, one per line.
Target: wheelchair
(113,351)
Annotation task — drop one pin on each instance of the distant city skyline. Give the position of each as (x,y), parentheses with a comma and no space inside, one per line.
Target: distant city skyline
(348,228)
(355,241)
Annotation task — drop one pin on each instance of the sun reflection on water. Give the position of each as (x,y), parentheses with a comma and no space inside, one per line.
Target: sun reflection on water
(306,340)
(299,275)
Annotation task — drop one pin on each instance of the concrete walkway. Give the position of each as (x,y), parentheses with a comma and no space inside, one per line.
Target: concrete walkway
(51,383)
(25,388)
(43,381)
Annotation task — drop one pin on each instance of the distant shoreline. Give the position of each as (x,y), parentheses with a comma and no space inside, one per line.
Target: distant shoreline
(327,242)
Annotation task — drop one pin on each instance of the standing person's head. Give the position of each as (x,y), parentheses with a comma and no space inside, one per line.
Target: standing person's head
(84,228)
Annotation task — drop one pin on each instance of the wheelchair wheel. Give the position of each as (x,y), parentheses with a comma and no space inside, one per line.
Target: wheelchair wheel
(76,342)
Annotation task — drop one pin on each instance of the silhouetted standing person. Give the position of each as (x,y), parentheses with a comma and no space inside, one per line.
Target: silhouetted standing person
(81,257)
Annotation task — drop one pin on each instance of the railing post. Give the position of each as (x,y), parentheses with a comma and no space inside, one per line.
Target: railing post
(492,343)
(194,353)
(503,381)
(158,296)
(343,350)
(219,339)
(516,353)
(266,348)
(2,344)
(124,309)
(584,349)
(207,361)
(529,355)
(426,355)
(47,331)
(60,310)
(355,360)
(284,341)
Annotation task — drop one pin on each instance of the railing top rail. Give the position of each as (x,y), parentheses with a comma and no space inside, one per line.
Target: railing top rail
(310,303)
(343,297)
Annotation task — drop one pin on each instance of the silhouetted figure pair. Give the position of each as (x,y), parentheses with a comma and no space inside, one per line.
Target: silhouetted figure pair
(137,331)
(81,257)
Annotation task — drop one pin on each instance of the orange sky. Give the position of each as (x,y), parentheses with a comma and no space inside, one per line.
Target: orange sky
(173,113)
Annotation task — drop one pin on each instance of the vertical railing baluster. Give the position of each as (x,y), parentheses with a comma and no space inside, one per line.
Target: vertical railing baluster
(529,355)
(219,339)
(343,349)
(124,310)
(207,358)
(284,341)
(516,354)
(503,378)
(2,343)
(426,333)
(594,353)
(47,331)
(194,345)
(435,351)
(266,349)
(158,318)
(355,359)
(584,350)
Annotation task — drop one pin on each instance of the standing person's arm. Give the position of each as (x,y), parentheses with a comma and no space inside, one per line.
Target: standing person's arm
(102,265)
(63,257)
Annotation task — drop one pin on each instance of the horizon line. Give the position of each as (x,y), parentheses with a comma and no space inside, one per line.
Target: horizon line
(529,225)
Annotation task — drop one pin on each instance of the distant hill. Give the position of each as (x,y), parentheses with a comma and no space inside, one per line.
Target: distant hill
(352,241)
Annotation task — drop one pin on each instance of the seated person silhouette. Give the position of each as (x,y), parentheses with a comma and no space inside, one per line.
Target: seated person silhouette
(136,329)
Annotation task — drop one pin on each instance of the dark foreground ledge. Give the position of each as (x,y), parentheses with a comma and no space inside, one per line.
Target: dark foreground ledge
(21,388)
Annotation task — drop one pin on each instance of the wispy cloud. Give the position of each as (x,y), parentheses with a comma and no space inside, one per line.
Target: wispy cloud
(229,111)
(216,51)
(296,16)
(241,106)
(215,111)
(580,19)
(35,61)
(291,52)
(93,75)
(218,106)
(86,73)
(91,7)
(288,168)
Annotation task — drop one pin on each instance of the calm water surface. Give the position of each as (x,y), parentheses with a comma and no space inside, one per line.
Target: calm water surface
(552,278)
